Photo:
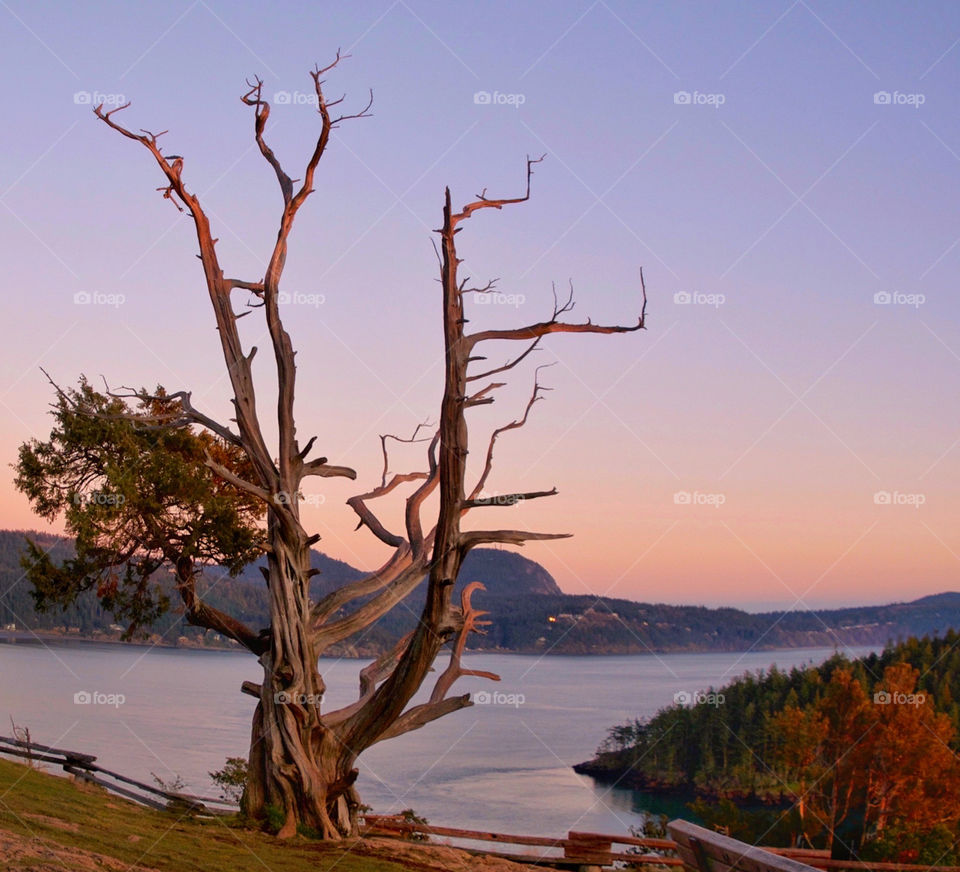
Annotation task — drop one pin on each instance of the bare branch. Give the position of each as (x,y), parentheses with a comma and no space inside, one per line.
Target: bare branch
(404,582)
(190,415)
(237,482)
(200,614)
(535,331)
(483,202)
(370,676)
(473,538)
(335,600)
(471,623)
(439,704)
(507,499)
(369,519)
(320,467)
(535,396)
(421,715)
(256,287)
(238,364)
(415,501)
(254,98)
(383,447)
(507,366)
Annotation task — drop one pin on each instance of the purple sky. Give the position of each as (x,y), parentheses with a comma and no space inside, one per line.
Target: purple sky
(774,167)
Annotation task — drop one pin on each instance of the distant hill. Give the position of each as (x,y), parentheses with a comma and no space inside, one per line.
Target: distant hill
(505,574)
(529,613)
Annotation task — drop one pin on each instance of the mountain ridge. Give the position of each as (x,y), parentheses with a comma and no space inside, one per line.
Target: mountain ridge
(529,613)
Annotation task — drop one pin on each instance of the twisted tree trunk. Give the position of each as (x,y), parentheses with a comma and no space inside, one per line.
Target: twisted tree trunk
(302,758)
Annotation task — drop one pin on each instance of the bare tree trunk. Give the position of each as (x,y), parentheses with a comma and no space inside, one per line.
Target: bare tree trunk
(302,765)
(302,760)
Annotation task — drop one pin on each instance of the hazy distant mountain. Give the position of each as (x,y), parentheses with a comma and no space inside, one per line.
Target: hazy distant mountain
(529,612)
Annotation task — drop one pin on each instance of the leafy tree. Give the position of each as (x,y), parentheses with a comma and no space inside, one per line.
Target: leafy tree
(136,496)
(912,775)
(231,779)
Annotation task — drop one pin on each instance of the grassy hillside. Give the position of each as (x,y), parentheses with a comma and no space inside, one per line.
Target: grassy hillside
(64,824)
(49,824)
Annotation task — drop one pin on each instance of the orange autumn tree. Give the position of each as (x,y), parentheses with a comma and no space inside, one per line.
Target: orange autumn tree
(887,761)
(912,775)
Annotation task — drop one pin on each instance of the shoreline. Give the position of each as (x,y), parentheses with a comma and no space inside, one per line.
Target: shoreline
(42,638)
(626,778)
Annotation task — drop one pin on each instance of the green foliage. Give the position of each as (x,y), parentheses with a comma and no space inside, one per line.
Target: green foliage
(814,734)
(725,749)
(408,815)
(173,784)
(902,843)
(768,826)
(274,818)
(135,491)
(654,826)
(231,779)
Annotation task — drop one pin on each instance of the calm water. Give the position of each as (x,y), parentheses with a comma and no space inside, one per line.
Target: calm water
(500,766)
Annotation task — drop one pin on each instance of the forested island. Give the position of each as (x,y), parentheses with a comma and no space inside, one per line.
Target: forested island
(855,756)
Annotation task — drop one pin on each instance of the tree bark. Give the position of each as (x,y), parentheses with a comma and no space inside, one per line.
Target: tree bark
(297,763)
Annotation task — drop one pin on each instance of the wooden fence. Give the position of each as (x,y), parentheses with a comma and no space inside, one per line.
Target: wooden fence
(573,851)
(597,849)
(84,767)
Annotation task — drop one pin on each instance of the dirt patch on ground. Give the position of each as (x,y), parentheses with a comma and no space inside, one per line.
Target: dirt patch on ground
(52,822)
(40,855)
(429,857)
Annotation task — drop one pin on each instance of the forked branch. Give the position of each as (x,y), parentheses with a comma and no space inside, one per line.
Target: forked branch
(440,704)
(555,325)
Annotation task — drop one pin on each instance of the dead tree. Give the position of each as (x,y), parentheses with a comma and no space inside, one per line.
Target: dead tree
(303,759)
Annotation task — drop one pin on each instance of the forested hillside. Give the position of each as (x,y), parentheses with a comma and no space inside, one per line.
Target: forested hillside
(528,612)
(863,749)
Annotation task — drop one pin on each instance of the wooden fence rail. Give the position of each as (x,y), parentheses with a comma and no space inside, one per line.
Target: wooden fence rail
(576,850)
(586,850)
(83,766)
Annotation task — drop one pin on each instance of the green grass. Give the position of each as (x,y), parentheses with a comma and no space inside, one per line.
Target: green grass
(41,806)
